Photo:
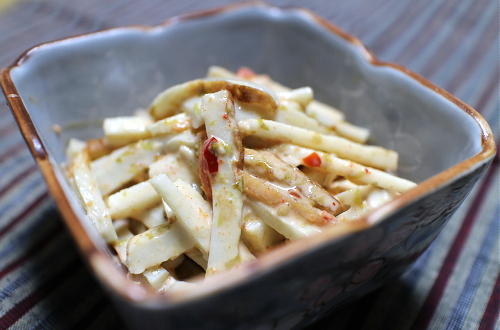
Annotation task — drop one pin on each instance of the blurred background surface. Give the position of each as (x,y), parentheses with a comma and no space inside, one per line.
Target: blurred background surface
(454,285)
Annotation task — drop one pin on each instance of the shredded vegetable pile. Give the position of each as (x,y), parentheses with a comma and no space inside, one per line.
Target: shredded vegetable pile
(219,170)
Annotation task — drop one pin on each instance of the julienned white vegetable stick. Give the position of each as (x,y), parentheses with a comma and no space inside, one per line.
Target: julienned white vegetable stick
(302,96)
(120,247)
(169,125)
(172,284)
(354,197)
(317,108)
(192,212)
(124,234)
(284,198)
(155,246)
(122,165)
(217,110)
(170,101)
(362,200)
(244,253)
(266,161)
(123,130)
(151,217)
(290,113)
(291,226)
(175,167)
(368,155)
(156,276)
(192,107)
(323,113)
(132,200)
(350,170)
(75,147)
(256,234)
(351,132)
(93,203)
(339,186)
(189,157)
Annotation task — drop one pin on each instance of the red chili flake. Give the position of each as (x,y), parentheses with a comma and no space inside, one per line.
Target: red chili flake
(328,217)
(313,160)
(209,157)
(294,193)
(245,73)
(225,116)
(367,171)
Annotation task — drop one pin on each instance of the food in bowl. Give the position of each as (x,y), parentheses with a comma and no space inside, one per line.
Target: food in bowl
(219,170)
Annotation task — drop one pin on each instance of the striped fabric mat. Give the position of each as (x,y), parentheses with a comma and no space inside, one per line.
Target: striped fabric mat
(454,285)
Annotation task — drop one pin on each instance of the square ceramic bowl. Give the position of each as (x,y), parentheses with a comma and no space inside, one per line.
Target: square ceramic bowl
(444,145)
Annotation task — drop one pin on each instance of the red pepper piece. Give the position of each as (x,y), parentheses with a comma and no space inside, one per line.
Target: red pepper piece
(209,157)
(313,160)
(245,73)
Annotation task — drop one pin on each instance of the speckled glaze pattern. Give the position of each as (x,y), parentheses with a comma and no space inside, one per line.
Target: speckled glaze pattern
(109,73)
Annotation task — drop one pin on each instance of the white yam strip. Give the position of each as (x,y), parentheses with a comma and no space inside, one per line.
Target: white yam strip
(155,246)
(291,176)
(192,212)
(317,109)
(291,226)
(143,113)
(93,203)
(351,132)
(302,96)
(367,155)
(290,113)
(75,147)
(132,200)
(354,197)
(272,194)
(339,186)
(192,107)
(124,234)
(170,101)
(351,170)
(244,253)
(169,125)
(362,200)
(189,157)
(315,175)
(152,217)
(227,201)
(171,284)
(257,235)
(323,113)
(122,165)
(175,167)
(156,276)
(197,257)
(123,130)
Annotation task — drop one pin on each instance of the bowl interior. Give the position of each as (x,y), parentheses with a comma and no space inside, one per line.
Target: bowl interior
(77,82)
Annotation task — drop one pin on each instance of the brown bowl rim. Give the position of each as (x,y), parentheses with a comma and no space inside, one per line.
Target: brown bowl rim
(112,275)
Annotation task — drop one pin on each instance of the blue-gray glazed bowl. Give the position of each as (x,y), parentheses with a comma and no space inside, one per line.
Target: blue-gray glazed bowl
(444,144)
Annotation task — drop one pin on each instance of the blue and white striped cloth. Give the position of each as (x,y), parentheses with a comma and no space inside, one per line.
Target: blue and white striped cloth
(454,285)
